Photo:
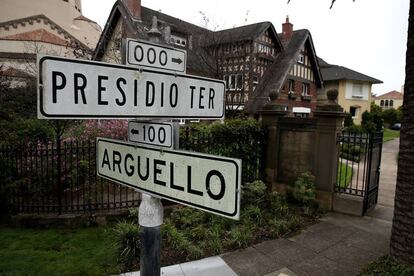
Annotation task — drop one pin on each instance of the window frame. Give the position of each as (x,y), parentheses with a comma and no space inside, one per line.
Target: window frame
(361,90)
(305,89)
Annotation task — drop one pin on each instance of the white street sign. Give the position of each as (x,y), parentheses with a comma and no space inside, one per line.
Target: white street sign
(157,134)
(207,182)
(81,89)
(147,54)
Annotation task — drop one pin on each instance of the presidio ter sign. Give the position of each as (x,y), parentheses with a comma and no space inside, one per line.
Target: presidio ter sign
(70,88)
(207,182)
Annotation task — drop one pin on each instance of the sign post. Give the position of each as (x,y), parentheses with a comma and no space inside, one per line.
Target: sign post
(151,211)
(151,161)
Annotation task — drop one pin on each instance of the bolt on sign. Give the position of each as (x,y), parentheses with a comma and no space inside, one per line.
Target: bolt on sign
(207,182)
(70,88)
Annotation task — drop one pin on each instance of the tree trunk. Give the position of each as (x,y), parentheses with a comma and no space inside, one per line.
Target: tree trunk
(402,236)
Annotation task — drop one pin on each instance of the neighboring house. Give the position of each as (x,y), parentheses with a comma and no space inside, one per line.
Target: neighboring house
(354,88)
(393,99)
(295,74)
(54,27)
(243,57)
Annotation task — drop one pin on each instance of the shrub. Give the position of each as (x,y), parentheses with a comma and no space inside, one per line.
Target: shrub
(240,237)
(179,241)
(236,138)
(354,129)
(354,150)
(390,116)
(348,121)
(254,193)
(278,205)
(386,266)
(128,243)
(304,189)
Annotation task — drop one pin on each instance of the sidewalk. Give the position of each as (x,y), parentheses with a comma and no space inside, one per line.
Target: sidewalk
(338,245)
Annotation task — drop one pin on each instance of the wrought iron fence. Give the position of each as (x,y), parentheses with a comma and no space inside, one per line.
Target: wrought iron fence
(61,177)
(58,178)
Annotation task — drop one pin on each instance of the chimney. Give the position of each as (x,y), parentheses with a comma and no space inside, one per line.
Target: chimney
(134,7)
(287,29)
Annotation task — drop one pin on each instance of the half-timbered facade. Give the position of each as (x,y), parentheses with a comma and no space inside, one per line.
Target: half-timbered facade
(247,58)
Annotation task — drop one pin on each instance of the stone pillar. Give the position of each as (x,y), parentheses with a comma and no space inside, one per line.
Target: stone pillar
(270,115)
(330,117)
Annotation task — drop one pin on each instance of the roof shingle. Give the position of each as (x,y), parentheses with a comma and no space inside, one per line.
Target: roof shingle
(393,95)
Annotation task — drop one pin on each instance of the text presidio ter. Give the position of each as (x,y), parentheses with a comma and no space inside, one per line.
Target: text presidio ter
(156,94)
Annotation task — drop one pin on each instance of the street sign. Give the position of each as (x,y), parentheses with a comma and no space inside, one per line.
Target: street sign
(147,54)
(81,89)
(157,134)
(206,182)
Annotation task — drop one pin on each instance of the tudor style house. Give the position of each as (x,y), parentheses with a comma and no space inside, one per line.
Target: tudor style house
(253,60)
(55,27)
(354,88)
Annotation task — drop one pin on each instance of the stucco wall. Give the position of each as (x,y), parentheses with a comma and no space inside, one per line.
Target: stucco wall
(396,105)
(346,100)
(59,11)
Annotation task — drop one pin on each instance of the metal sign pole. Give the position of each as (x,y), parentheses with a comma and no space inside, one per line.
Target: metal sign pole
(151,212)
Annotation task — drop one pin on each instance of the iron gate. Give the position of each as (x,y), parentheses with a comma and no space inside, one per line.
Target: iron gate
(359,166)
(373,175)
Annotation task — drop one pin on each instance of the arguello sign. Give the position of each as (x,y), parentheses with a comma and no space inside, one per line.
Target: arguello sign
(207,182)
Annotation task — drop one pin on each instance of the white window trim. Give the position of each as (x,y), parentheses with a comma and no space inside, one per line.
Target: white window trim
(301,59)
(359,95)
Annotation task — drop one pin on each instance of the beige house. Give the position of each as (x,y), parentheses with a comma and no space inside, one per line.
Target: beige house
(354,88)
(54,27)
(392,99)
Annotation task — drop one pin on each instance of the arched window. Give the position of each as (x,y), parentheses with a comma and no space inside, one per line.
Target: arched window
(386,102)
(382,103)
(391,103)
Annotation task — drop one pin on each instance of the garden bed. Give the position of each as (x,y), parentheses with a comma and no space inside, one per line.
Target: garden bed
(188,234)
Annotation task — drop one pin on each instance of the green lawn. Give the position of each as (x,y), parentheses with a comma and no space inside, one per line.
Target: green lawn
(344,174)
(85,251)
(390,134)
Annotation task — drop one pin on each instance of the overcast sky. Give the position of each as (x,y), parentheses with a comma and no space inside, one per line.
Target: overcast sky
(368,36)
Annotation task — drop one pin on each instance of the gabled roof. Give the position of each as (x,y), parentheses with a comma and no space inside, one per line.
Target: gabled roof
(39,35)
(38,18)
(199,61)
(176,24)
(332,72)
(393,95)
(133,28)
(277,73)
(247,32)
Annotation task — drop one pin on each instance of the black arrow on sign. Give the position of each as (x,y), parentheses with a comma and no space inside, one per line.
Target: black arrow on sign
(134,131)
(176,60)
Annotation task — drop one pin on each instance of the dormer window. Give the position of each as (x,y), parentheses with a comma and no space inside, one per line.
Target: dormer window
(301,59)
(180,41)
